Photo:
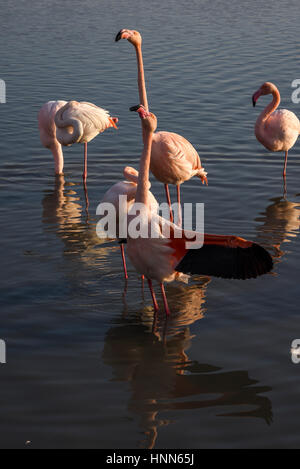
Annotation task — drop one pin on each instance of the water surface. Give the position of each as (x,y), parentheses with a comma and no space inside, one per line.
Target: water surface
(87,367)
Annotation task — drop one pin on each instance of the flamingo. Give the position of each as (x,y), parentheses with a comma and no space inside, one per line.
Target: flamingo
(126,188)
(277,130)
(174,160)
(166,258)
(65,123)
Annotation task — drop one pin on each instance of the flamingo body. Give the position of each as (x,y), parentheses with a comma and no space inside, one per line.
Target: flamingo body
(280,132)
(276,129)
(174,160)
(80,122)
(126,188)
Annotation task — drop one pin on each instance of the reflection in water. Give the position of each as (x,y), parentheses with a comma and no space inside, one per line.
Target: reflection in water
(280,223)
(162,378)
(63,214)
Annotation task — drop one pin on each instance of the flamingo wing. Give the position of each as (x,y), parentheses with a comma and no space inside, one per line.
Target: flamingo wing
(227,257)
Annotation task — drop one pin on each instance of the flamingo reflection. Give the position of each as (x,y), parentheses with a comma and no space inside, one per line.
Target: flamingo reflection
(279,225)
(162,377)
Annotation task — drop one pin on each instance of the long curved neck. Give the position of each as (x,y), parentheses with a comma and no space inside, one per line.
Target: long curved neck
(142,193)
(141,78)
(66,138)
(141,82)
(271,107)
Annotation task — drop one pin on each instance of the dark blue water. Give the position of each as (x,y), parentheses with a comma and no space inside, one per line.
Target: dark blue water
(85,366)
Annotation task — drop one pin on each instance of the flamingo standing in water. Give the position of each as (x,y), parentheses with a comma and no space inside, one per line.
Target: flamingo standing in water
(65,123)
(277,130)
(174,160)
(126,188)
(165,258)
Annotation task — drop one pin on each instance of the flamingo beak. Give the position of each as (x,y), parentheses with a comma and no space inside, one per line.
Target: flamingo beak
(114,121)
(255,97)
(141,110)
(135,108)
(123,34)
(119,36)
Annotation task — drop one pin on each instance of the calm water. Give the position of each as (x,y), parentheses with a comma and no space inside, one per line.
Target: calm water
(85,366)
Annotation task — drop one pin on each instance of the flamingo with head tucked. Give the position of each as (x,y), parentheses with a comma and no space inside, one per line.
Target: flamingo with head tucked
(164,256)
(174,160)
(277,130)
(65,123)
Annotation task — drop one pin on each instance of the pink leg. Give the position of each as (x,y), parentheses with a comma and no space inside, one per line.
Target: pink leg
(179,206)
(165,300)
(84,176)
(285,164)
(155,304)
(124,261)
(169,202)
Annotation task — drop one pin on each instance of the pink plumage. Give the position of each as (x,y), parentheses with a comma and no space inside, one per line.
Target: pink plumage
(277,130)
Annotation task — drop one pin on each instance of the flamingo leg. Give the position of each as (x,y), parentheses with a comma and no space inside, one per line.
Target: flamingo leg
(155,304)
(124,261)
(285,164)
(84,176)
(169,202)
(167,309)
(179,206)
(87,202)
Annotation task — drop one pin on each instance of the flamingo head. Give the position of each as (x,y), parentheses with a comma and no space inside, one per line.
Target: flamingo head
(265,89)
(149,120)
(132,36)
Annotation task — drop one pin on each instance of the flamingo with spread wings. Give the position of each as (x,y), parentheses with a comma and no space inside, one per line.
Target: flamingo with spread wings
(165,258)
(174,160)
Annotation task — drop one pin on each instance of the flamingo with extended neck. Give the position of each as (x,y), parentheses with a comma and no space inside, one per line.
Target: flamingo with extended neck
(128,189)
(276,129)
(174,160)
(166,257)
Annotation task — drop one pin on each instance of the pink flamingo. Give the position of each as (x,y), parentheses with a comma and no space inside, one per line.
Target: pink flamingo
(65,123)
(277,130)
(174,160)
(166,258)
(126,188)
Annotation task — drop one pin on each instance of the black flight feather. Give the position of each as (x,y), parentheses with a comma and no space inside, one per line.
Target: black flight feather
(227,262)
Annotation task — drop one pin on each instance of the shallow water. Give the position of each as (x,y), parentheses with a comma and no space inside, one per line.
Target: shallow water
(86,367)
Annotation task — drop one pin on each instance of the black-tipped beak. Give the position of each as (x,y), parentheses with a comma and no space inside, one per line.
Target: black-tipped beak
(119,36)
(253,101)
(135,108)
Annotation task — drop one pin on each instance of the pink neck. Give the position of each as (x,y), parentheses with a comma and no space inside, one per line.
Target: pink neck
(143,181)
(141,78)
(271,107)
(142,82)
